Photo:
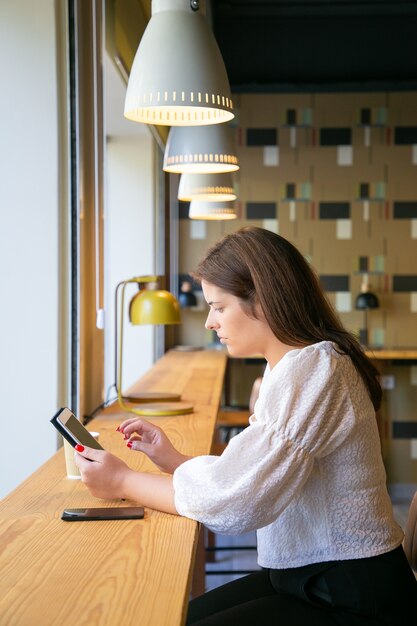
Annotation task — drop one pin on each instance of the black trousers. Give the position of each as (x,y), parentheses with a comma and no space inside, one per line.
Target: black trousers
(380,590)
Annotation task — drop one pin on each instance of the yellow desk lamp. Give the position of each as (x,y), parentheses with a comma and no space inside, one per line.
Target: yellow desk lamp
(148,306)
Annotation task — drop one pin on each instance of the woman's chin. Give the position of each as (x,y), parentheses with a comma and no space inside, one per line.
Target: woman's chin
(233,351)
(240,353)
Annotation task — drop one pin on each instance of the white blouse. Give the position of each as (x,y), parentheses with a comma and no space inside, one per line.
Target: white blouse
(307,472)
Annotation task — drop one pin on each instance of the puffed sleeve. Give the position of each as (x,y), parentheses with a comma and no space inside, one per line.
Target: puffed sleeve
(303,411)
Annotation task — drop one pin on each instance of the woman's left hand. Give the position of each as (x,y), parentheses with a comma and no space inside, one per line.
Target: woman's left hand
(144,436)
(104,474)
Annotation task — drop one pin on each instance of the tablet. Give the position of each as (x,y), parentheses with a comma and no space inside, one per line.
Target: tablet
(72,430)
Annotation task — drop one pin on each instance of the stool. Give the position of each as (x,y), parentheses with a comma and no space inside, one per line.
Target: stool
(230,421)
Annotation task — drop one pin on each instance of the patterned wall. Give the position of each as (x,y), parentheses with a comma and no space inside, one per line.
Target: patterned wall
(336,174)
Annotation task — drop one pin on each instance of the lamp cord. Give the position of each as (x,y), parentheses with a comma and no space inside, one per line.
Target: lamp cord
(116,336)
(99,308)
(103,405)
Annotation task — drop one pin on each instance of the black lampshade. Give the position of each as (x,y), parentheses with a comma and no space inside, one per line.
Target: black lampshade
(186,299)
(186,296)
(366,300)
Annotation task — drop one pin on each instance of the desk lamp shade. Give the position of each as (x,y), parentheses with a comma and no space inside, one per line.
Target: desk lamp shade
(200,150)
(364,301)
(148,306)
(178,76)
(154,307)
(207,187)
(186,296)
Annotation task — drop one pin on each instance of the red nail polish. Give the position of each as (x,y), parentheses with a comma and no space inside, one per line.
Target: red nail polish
(79,447)
(129,444)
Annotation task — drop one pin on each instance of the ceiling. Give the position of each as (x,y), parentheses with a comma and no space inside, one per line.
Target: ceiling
(324,45)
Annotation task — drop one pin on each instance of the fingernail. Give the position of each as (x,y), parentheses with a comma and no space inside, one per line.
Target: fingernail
(129,444)
(79,448)
(126,436)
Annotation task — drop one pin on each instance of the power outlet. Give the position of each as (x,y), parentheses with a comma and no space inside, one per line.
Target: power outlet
(387,382)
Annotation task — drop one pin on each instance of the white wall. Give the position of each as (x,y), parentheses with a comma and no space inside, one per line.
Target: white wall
(129,250)
(28,237)
(129,226)
(33,336)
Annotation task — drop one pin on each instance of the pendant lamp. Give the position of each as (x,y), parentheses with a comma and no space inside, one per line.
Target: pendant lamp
(200,149)
(178,76)
(207,187)
(211,211)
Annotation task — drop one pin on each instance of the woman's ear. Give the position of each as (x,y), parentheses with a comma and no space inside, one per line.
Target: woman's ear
(258,311)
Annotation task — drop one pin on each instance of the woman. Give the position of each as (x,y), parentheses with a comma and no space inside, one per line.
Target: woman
(307,473)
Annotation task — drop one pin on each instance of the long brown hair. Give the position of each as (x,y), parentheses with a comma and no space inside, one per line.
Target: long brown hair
(259,266)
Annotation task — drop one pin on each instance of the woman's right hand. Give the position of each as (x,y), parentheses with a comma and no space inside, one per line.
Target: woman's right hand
(152,441)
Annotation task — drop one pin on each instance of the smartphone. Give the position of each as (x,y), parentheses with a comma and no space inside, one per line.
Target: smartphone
(72,429)
(94,514)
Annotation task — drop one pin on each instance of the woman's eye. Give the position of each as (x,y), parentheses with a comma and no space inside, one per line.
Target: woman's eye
(219,310)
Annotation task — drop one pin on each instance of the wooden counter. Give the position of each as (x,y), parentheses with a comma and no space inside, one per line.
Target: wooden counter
(394,354)
(115,573)
(376,354)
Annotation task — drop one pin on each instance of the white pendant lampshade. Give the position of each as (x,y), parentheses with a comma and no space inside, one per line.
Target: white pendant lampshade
(207,187)
(211,211)
(200,149)
(178,76)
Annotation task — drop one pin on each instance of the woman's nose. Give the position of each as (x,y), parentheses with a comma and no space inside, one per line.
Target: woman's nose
(210,322)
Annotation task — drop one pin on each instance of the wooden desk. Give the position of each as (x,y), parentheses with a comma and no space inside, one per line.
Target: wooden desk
(378,354)
(108,573)
(394,354)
